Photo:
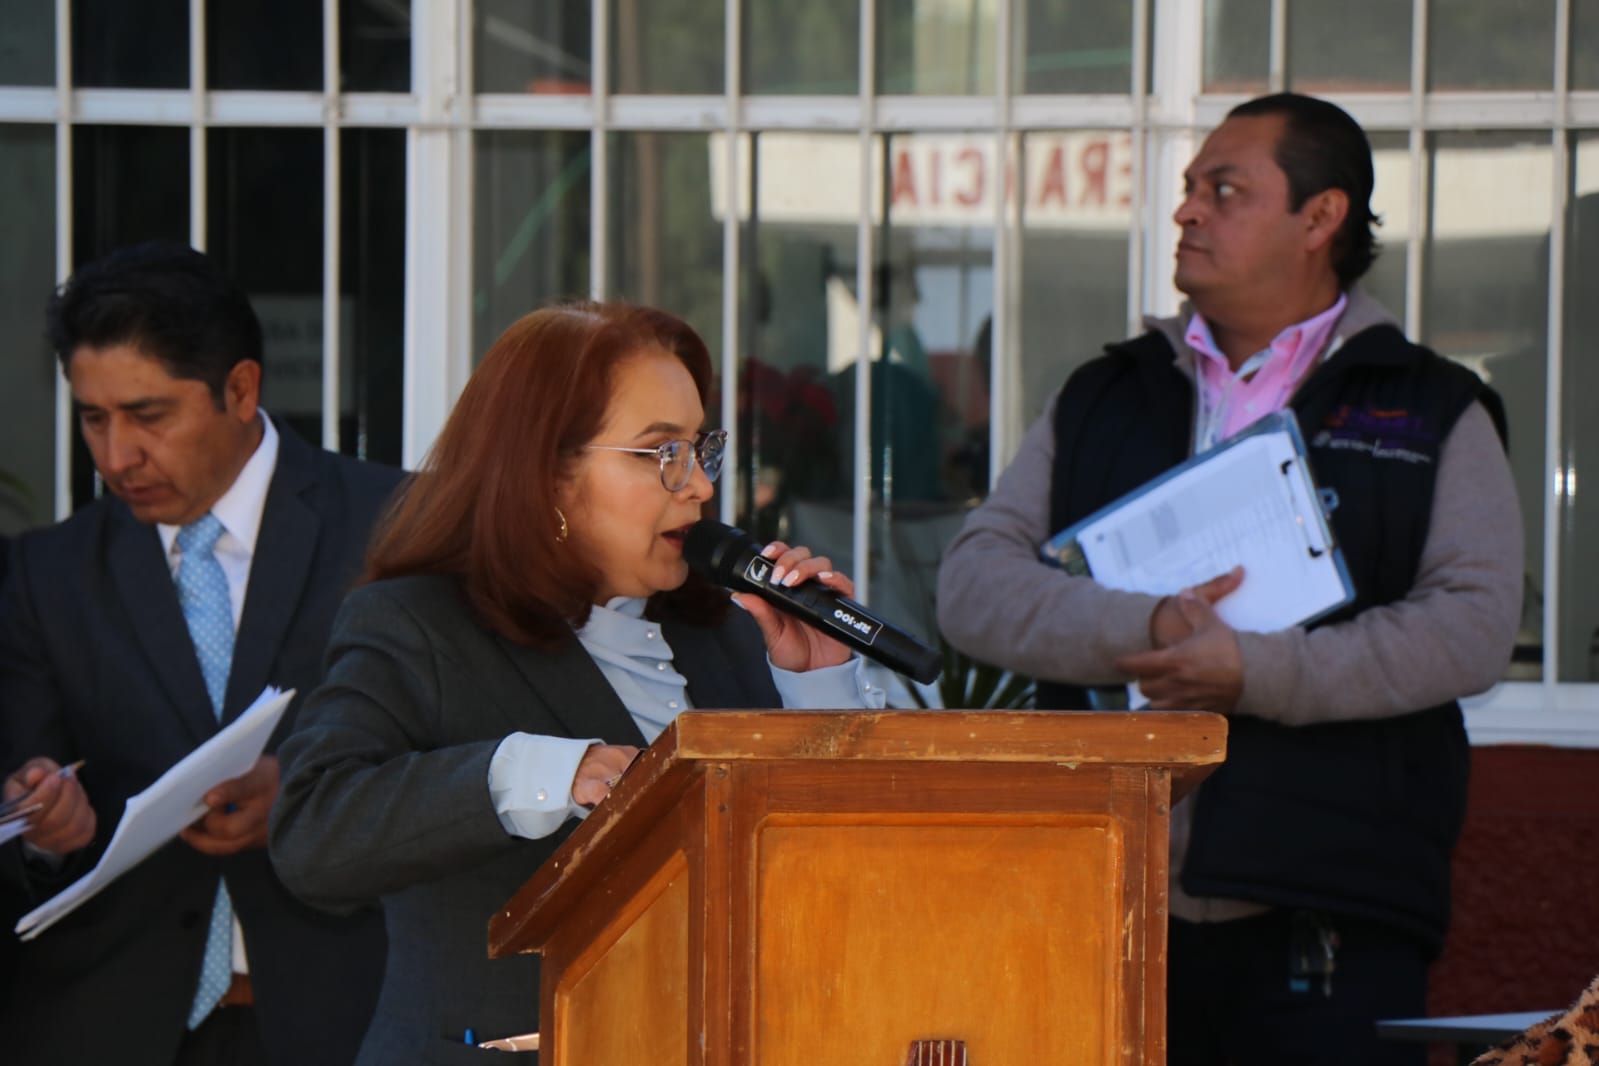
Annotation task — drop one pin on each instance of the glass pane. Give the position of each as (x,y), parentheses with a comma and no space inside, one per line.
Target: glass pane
(935,47)
(929,419)
(1491,44)
(1390,157)
(129,184)
(1076,46)
(530,242)
(1485,303)
(28,373)
(264,44)
(375,46)
(666,246)
(1579,443)
(1584,44)
(28,43)
(668,46)
(532,48)
(372,294)
(798,199)
(1237,46)
(264,227)
(120,45)
(1349,46)
(828,64)
(1076,212)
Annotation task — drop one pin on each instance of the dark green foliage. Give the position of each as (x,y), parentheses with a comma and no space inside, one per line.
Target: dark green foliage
(967,684)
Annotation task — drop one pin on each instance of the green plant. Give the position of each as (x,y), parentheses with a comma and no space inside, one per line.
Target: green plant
(968,684)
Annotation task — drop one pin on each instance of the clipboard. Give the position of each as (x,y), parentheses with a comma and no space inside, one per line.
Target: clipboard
(1249,501)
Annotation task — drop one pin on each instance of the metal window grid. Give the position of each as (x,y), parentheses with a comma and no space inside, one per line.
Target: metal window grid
(1165,108)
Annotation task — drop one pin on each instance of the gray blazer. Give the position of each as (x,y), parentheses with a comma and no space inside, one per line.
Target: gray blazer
(385,792)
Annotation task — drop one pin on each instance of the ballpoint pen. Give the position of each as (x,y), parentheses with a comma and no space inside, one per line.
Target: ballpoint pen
(9,806)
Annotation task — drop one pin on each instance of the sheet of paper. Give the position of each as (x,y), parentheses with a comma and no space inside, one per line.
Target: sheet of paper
(1250,505)
(175,800)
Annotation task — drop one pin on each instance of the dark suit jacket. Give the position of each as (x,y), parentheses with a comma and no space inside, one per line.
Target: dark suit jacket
(96,663)
(385,792)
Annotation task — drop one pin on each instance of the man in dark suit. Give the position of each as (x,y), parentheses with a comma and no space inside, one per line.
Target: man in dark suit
(135,630)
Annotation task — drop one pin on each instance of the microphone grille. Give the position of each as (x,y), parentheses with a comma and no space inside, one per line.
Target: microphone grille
(710,549)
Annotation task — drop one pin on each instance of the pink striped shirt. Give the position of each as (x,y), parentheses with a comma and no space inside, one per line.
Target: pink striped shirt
(1231,400)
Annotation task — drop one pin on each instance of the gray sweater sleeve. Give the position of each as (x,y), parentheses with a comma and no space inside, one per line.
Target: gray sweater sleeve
(1450,637)
(999,603)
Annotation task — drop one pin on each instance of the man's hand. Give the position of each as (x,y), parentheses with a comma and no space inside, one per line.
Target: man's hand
(1202,672)
(64,821)
(239,808)
(1167,623)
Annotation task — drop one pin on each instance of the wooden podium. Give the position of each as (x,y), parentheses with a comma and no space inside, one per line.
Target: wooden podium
(792,888)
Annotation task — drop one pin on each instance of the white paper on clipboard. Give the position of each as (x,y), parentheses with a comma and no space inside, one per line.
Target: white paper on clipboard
(1250,502)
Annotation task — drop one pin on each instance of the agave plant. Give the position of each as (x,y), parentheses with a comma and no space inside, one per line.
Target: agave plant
(969,684)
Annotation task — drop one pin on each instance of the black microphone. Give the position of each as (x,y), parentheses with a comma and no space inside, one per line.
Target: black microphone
(730,557)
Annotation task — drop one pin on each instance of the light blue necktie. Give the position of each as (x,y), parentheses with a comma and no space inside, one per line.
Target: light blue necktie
(203,595)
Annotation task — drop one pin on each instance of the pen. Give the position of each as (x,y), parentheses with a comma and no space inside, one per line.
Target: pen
(69,770)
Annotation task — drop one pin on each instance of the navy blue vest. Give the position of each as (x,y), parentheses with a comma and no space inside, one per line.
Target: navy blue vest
(1353,818)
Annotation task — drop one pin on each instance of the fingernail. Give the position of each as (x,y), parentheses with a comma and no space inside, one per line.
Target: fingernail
(777,575)
(770,551)
(825,575)
(738,602)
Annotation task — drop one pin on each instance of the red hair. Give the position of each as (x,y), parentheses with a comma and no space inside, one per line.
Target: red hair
(482,506)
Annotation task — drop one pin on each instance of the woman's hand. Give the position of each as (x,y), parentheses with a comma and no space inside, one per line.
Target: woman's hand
(791,644)
(602,765)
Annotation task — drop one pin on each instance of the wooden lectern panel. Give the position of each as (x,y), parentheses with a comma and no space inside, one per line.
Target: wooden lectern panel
(626,1000)
(870,936)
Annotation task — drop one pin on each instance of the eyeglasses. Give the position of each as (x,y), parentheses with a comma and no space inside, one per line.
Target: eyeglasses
(679,456)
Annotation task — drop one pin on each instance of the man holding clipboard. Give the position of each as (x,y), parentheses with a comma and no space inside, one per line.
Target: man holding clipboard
(1311,872)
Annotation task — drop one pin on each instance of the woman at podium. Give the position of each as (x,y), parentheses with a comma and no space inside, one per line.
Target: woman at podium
(526,623)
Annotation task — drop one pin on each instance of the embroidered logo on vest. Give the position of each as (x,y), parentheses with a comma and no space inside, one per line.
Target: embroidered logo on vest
(1381,432)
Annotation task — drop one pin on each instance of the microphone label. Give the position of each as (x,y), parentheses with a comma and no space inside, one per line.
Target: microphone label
(864,629)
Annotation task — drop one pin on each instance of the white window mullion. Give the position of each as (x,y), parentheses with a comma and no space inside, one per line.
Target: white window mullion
(732,246)
(1420,169)
(1002,430)
(332,169)
(1554,411)
(197,121)
(599,149)
(63,395)
(860,528)
(1140,132)
(1173,113)
(1277,65)
(438,210)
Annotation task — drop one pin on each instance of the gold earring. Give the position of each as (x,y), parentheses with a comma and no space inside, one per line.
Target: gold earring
(560,538)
